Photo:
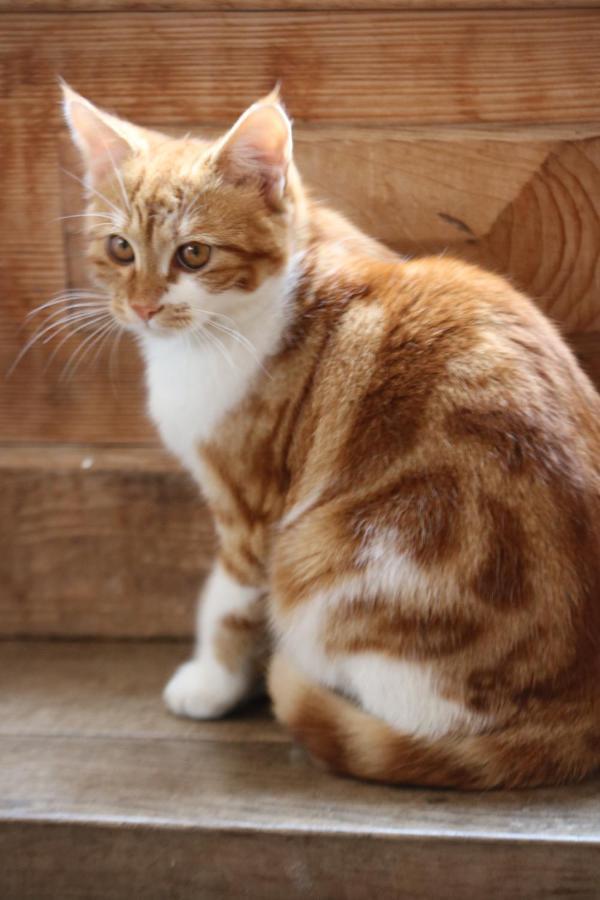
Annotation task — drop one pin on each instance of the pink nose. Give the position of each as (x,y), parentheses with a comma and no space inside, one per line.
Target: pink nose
(145,312)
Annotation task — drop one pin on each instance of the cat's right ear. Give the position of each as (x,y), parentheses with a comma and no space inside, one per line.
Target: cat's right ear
(258,147)
(103,140)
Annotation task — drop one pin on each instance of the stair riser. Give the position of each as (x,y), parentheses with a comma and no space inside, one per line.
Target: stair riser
(164,863)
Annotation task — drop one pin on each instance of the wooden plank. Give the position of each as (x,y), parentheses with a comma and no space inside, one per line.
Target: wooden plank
(83,679)
(587,348)
(548,237)
(42,861)
(90,549)
(64,6)
(395,67)
(212,806)
(67,458)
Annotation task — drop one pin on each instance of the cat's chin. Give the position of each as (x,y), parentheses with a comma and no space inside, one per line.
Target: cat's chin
(160,335)
(150,330)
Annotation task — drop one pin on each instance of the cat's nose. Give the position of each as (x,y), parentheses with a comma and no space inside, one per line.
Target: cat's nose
(144,311)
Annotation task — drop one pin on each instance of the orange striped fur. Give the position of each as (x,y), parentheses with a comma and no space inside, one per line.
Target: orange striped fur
(403,463)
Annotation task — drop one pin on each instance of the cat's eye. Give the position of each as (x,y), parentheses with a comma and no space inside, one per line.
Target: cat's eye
(120,250)
(193,255)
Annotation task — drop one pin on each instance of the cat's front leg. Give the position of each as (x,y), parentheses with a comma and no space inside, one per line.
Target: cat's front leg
(231,643)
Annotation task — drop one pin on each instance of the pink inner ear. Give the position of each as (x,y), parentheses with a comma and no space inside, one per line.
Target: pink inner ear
(102,147)
(259,145)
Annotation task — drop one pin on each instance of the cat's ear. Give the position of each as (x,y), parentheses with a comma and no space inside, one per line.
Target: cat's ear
(258,147)
(103,140)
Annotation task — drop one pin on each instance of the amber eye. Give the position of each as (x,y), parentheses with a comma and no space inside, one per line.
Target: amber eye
(193,255)
(120,250)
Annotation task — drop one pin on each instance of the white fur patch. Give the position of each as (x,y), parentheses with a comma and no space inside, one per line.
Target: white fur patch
(194,381)
(203,688)
(402,693)
(389,571)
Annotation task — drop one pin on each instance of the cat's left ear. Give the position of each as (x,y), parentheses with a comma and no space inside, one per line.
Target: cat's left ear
(104,141)
(258,147)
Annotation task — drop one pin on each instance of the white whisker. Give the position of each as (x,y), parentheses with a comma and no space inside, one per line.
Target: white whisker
(65,310)
(118,175)
(65,297)
(52,328)
(237,336)
(244,342)
(103,341)
(215,340)
(78,355)
(89,316)
(85,215)
(68,336)
(113,358)
(211,340)
(88,187)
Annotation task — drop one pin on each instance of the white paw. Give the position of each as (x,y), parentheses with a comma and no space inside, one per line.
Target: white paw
(202,691)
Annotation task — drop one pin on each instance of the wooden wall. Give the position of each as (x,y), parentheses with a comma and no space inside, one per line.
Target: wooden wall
(463,126)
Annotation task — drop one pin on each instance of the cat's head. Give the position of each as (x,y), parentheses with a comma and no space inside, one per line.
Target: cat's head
(183,230)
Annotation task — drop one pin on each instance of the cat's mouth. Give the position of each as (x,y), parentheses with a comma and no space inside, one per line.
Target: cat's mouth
(156,319)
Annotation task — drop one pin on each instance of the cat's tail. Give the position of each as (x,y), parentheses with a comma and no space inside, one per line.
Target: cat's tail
(349,741)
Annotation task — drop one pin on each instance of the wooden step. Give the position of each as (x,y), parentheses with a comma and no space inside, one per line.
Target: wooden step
(99,542)
(103,794)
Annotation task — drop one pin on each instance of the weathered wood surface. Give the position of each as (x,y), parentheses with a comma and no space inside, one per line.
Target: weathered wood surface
(587,348)
(98,801)
(99,543)
(400,68)
(111,690)
(46,861)
(204,6)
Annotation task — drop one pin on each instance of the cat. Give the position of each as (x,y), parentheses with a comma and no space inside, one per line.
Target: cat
(402,458)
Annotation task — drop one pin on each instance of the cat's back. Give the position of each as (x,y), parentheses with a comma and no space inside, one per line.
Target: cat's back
(433,363)
(457,351)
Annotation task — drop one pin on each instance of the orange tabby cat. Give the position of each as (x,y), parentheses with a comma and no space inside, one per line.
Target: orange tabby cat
(402,459)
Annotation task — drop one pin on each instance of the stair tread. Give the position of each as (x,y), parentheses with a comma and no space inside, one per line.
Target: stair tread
(84,737)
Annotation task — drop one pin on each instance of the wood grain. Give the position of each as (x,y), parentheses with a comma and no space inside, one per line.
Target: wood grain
(394,67)
(44,861)
(64,6)
(108,690)
(208,811)
(98,549)
(587,348)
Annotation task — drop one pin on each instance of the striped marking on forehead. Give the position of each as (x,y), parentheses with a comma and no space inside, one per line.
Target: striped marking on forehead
(157,228)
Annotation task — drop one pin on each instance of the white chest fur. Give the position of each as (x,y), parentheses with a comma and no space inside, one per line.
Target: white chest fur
(194,381)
